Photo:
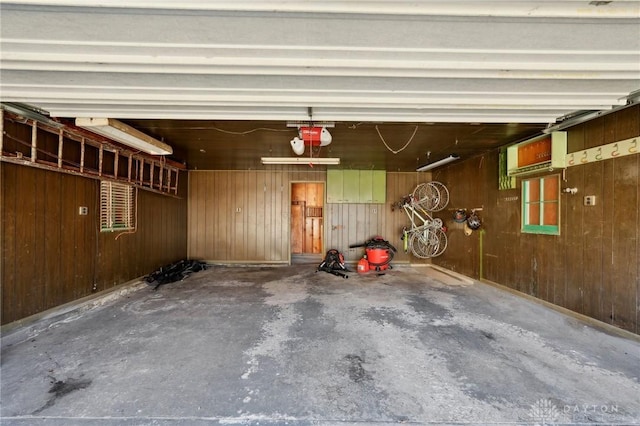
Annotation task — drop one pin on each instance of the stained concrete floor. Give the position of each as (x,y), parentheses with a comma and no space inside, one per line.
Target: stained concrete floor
(285,345)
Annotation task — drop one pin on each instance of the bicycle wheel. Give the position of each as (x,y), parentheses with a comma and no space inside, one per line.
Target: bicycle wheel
(425,196)
(436,223)
(428,243)
(443,196)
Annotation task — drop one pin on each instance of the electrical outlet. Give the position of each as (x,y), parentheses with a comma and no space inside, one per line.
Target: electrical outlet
(590,200)
(374,210)
(83,211)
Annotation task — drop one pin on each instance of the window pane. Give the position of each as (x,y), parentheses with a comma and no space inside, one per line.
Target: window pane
(534,190)
(551,188)
(534,214)
(550,213)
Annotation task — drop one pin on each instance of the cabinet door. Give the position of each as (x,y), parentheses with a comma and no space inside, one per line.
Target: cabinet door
(379,185)
(351,186)
(335,189)
(366,186)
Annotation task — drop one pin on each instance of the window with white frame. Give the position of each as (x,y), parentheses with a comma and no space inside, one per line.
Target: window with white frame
(541,205)
(117,207)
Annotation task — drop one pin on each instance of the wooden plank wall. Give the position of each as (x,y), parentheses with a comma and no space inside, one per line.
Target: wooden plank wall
(51,255)
(244,216)
(592,267)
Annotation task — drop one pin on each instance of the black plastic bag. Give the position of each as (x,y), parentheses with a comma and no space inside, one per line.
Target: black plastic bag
(177,271)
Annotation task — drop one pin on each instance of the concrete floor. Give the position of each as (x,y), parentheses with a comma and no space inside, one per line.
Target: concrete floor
(285,345)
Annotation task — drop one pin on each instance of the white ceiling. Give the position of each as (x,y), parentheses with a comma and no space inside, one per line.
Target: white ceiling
(403,61)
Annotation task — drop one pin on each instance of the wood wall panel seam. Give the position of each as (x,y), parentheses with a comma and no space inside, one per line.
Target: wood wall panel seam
(596,269)
(65,260)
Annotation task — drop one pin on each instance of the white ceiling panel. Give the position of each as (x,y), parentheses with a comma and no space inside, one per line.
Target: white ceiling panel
(495,62)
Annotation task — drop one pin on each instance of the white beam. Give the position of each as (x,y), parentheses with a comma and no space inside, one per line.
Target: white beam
(528,9)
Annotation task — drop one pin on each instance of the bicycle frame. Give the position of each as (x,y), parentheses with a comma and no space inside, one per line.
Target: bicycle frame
(412,213)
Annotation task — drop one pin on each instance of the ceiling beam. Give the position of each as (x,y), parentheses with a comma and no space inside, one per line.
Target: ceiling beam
(528,9)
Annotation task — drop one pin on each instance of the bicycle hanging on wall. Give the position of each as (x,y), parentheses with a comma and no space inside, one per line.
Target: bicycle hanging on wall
(425,237)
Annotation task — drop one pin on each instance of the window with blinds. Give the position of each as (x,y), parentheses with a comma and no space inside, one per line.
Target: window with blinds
(117,207)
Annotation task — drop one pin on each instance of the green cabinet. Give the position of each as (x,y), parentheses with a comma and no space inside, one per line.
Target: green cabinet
(366,186)
(379,186)
(335,189)
(356,186)
(351,185)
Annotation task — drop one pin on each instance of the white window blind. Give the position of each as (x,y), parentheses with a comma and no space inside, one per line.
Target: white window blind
(117,207)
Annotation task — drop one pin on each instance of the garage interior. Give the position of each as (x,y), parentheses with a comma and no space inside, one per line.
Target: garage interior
(517,321)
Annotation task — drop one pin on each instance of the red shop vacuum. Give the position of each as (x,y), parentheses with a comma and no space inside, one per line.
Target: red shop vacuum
(378,255)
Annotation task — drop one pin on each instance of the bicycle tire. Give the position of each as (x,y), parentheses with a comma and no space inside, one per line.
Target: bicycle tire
(443,196)
(429,243)
(425,196)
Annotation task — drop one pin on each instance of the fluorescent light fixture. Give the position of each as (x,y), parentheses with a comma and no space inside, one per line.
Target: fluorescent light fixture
(33,113)
(311,124)
(300,160)
(438,163)
(120,132)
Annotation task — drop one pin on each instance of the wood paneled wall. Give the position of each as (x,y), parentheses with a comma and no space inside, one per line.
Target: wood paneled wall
(244,216)
(593,267)
(51,255)
(348,224)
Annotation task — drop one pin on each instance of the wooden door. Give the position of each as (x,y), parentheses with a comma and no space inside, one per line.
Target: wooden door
(307,212)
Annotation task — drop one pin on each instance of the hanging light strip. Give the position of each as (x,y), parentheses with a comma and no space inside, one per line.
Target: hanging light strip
(300,160)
